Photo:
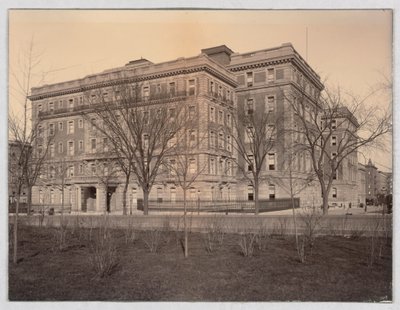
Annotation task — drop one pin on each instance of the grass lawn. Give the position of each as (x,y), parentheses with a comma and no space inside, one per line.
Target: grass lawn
(337,270)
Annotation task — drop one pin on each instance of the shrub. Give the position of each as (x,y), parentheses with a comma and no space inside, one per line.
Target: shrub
(262,235)
(129,232)
(246,243)
(152,239)
(103,252)
(311,219)
(214,233)
(280,228)
(60,236)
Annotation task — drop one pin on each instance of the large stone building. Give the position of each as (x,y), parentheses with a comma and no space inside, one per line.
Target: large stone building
(345,184)
(215,84)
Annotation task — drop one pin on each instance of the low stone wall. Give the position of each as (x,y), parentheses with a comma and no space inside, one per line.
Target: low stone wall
(347,225)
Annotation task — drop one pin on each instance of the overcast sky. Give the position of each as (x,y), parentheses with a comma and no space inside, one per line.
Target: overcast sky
(351,49)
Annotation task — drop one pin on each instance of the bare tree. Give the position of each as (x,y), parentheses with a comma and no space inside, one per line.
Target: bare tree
(107,173)
(31,141)
(294,182)
(334,130)
(138,128)
(183,164)
(254,138)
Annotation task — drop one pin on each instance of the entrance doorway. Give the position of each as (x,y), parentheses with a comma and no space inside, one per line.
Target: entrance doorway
(110,198)
(88,199)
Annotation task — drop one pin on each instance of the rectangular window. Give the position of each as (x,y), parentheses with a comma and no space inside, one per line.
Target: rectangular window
(70,127)
(146,117)
(52,150)
(271,75)
(249,79)
(51,107)
(60,147)
(52,196)
(93,145)
(158,89)
(93,168)
(219,91)
(272,132)
(249,134)
(71,148)
(192,138)
(146,92)
(221,117)
(228,143)
(212,139)
(221,140)
(229,168)
(250,107)
(191,87)
(250,162)
(172,167)
(334,177)
(40,131)
(81,145)
(93,123)
(192,112)
(39,109)
(212,87)
(212,166)
(228,120)
(250,194)
(51,129)
(60,126)
(80,123)
(334,192)
(81,100)
(271,189)
(172,88)
(71,104)
(192,165)
(80,168)
(270,104)
(333,140)
(145,141)
(172,112)
(212,114)
(333,124)
(271,161)
(71,171)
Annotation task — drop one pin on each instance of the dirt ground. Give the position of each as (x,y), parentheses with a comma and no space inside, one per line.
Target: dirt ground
(338,269)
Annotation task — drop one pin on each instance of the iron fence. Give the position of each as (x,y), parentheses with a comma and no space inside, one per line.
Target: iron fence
(227,206)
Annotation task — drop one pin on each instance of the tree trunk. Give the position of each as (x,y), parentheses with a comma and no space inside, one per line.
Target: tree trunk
(124,209)
(325,196)
(256,202)
(294,211)
(15,233)
(184,223)
(145,202)
(29,199)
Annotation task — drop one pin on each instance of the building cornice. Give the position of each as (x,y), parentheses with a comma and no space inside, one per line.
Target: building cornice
(134,79)
(273,62)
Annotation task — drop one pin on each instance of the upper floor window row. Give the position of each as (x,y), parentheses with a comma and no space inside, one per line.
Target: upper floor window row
(218,90)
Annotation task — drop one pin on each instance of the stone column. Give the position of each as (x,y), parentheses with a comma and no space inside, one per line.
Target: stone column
(78,200)
(99,197)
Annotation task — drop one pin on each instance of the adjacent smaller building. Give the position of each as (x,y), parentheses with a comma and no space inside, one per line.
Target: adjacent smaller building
(378,184)
(14,156)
